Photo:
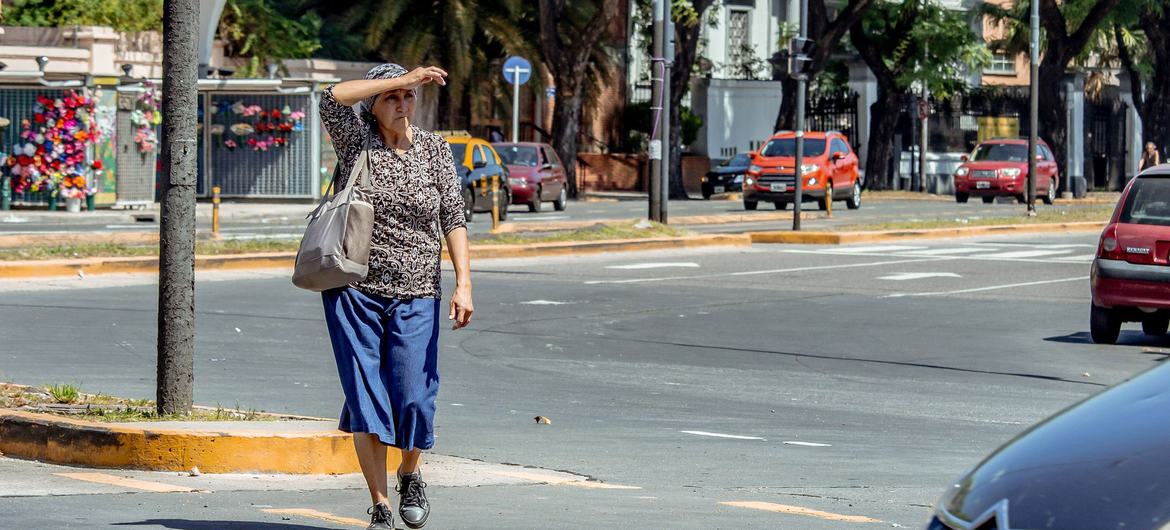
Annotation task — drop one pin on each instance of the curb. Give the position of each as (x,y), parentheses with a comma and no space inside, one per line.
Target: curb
(149,264)
(58,440)
(846,238)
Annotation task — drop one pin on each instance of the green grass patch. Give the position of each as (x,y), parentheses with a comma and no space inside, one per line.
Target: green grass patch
(1044,216)
(69,400)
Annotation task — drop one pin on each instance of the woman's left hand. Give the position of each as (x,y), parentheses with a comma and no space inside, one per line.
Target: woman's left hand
(461,308)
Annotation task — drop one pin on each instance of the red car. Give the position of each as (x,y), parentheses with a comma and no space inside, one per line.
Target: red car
(1000,168)
(1130,279)
(829,163)
(537,174)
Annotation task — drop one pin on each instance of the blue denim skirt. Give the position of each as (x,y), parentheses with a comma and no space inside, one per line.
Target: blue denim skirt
(387,358)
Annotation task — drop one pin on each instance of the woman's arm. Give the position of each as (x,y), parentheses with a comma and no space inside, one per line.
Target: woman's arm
(351,92)
(461,306)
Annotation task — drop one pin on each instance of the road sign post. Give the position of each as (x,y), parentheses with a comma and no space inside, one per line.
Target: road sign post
(517,70)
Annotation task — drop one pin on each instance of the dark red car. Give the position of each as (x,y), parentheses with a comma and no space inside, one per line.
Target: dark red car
(1130,279)
(999,168)
(537,174)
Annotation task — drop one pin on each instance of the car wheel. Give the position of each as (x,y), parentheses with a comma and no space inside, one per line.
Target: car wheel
(505,200)
(468,204)
(781,205)
(562,201)
(1022,198)
(1104,326)
(854,200)
(750,205)
(1156,325)
(707,192)
(988,200)
(1050,197)
(536,205)
(961,197)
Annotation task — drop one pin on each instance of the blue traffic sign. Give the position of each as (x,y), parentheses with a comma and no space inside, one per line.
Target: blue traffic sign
(514,65)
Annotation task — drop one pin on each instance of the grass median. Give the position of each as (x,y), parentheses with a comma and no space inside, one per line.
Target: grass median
(1043,216)
(68,400)
(598,232)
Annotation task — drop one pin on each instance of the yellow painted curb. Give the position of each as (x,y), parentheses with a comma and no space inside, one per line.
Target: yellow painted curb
(60,440)
(845,238)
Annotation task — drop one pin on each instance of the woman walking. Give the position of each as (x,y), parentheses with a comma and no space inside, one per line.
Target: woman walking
(1150,157)
(385,328)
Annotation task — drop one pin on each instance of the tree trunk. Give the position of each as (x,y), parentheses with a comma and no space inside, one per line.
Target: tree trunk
(1052,124)
(1155,112)
(882,122)
(677,187)
(786,118)
(566,130)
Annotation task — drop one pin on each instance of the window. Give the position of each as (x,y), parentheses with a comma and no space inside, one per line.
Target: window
(1002,63)
(739,36)
(1001,153)
(1048,156)
(516,155)
(787,147)
(840,147)
(1148,202)
(459,153)
(552,157)
(477,156)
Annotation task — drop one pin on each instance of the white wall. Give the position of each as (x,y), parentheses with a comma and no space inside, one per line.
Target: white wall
(737,115)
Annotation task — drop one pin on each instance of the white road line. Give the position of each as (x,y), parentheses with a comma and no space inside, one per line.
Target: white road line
(543,302)
(755,273)
(807,444)
(904,276)
(1087,258)
(641,266)
(989,288)
(943,251)
(876,248)
(721,435)
(1026,254)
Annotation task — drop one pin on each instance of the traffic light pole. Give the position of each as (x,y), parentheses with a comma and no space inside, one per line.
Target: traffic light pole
(656,104)
(801,88)
(665,126)
(1033,104)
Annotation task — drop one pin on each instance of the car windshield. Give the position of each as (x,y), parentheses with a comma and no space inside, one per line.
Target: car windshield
(458,151)
(1148,202)
(518,155)
(787,147)
(1001,153)
(739,160)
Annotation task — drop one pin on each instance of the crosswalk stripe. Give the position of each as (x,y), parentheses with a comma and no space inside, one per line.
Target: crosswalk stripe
(1087,258)
(945,251)
(876,248)
(1026,254)
(124,482)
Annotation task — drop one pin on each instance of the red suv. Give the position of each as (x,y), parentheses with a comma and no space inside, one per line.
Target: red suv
(1130,279)
(1000,168)
(829,163)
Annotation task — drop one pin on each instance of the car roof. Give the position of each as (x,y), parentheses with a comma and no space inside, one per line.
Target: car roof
(1161,170)
(814,135)
(519,144)
(1009,141)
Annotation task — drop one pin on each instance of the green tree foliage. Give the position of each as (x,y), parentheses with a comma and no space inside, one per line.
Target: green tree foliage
(122,15)
(265,31)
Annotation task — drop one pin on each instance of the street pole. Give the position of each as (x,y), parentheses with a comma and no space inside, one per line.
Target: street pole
(176,285)
(924,117)
(655,182)
(1033,103)
(801,87)
(668,146)
(515,105)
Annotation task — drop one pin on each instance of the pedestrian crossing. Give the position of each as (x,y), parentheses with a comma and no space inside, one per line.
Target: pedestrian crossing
(1062,253)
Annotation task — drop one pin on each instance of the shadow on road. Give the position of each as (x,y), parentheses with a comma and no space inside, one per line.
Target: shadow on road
(187,524)
(1127,338)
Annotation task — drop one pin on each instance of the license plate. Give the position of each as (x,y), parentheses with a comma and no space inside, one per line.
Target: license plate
(777,187)
(720,189)
(982,185)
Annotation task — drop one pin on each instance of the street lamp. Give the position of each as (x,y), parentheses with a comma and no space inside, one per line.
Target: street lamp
(42,61)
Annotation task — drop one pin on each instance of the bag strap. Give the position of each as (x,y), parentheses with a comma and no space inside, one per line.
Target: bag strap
(363,162)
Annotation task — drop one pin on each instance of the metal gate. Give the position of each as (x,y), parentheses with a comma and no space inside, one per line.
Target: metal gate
(1105,142)
(135,169)
(16,104)
(283,169)
(834,111)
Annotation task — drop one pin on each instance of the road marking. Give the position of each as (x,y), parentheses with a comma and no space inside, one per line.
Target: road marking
(721,435)
(642,266)
(755,273)
(903,276)
(112,480)
(798,510)
(557,480)
(1026,254)
(538,219)
(1085,258)
(877,248)
(989,288)
(543,302)
(807,444)
(944,251)
(316,514)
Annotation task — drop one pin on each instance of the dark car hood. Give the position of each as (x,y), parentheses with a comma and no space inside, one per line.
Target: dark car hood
(728,170)
(1101,464)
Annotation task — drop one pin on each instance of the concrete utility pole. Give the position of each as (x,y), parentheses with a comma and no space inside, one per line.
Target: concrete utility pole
(665,125)
(176,282)
(656,108)
(1033,103)
(801,89)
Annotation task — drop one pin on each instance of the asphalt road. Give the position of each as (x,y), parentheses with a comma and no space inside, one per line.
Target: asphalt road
(730,386)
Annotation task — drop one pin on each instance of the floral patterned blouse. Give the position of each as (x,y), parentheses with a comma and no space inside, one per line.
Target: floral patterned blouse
(417,198)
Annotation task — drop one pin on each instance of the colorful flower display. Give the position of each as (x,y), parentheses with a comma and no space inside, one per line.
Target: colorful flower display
(259,129)
(146,117)
(51,152)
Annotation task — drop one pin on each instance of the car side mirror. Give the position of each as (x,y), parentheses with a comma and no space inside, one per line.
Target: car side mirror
(963,158)
(546,166)
(1040,157)
(478,164)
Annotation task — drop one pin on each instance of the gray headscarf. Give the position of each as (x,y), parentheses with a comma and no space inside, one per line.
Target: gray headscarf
(365,108)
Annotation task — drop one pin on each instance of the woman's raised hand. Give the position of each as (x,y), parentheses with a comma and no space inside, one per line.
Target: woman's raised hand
(424,75)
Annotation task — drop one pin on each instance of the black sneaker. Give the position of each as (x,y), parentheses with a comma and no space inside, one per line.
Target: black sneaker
(413,507)
(380,517)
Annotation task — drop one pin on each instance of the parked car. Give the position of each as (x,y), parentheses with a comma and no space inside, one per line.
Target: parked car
(999,168)
(1098,464)
(537,174)
(475,160)
(828,160)
(1130,278)
(728,176)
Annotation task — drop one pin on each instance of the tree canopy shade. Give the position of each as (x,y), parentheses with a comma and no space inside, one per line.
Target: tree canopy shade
(122,15)
(262,31)
(1141,34)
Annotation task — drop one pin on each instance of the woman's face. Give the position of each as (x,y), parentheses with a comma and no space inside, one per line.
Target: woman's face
(389,107)
(1150,147)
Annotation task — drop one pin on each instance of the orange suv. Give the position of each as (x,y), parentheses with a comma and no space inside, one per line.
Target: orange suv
(829,164)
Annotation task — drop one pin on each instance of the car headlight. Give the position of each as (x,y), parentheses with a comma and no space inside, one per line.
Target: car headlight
(1010,172)
(812,182)
(749,181)
(755,169)
(809,168)
(703,180)
(962,172)
(738,179)
(517,182)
